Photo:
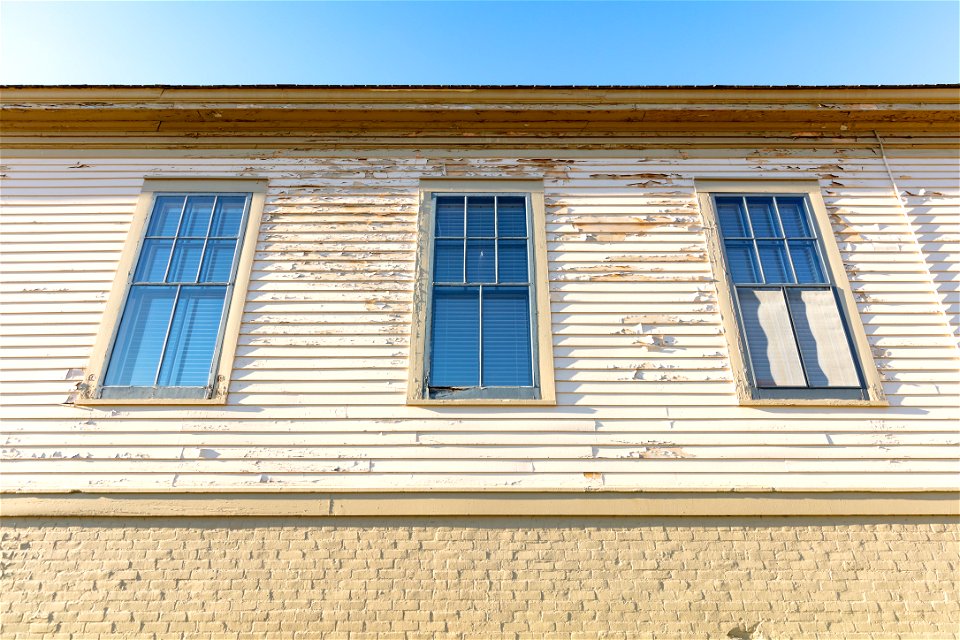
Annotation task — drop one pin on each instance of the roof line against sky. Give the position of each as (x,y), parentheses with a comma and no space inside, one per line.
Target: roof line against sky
(485,86)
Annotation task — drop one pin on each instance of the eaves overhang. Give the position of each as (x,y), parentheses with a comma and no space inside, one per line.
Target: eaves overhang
(474,110)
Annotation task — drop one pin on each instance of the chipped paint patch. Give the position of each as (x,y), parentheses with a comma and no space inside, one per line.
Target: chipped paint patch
(659,451)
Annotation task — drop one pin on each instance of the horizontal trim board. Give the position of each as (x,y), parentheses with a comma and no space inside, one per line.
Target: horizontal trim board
(572,147)
(493,503)
(629,94)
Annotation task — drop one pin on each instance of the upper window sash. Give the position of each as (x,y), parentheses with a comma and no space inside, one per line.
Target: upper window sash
(770,239)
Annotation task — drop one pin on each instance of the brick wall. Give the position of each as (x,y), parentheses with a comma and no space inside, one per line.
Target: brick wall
(480,578)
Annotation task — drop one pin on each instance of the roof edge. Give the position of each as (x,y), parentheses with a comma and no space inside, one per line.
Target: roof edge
(532,87)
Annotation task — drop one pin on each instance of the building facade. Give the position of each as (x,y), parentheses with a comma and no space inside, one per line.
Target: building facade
(480,362)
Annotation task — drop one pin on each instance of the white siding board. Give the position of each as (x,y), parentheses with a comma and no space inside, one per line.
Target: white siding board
(542,481)
(366,443)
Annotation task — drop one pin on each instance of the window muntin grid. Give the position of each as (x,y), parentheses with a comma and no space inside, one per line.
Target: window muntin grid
(770,238)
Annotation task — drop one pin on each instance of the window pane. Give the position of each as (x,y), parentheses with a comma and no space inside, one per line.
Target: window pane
(507,360)
(773,350)
(823,342)
(218,261)
(773,259)
(762,217)
(136,351)
(806,261)
(480,216)
(228,216)
(186,261)
(449,216)
(512,217)
(743,261)
(793,217)
(513,261)
(196,217)
(193,337)
(733,222)
(448,261)
(455,337)
(480,261)
(166,216)
(153,260)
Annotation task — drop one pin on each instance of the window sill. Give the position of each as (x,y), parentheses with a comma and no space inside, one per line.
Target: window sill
(514,402)
(749,396)
(813,402)
(220,399)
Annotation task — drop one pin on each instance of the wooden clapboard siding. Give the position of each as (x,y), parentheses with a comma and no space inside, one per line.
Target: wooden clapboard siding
(933,210)
(646,398)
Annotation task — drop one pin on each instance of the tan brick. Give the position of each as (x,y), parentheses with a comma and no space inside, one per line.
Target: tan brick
(535,578)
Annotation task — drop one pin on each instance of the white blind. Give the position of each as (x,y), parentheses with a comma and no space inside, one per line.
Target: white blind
(822,340)
(773,349)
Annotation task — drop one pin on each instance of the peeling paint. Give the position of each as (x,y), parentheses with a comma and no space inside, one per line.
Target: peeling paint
(655,342)
(656,318)
(658,450)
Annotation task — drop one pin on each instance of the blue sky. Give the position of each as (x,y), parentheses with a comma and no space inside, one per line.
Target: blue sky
(479,42)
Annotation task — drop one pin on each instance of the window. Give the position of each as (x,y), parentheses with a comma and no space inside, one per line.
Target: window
(176,303)
(794,320)
(482,333)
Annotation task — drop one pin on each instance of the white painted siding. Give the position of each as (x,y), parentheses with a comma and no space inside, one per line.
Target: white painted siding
(646,399)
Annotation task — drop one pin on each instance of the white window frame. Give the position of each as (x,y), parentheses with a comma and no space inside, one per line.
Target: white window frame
(418,392)
(871,393)
(92,386)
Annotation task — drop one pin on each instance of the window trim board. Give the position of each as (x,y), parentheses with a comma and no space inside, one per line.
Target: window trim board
(872,393)
(543,373)
(92,384)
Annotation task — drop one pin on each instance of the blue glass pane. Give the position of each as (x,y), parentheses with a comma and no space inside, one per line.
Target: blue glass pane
(448,261)
(763,218)
(806,262)
(733,221)
(480,216)
(455,337)
(218,261)
(166,216)
(480,261)
(153,261)
(143,327)
(193,337)
(449,216)
(742,260)
(773,259)
(186,261)
(794,218)
(196,216)
(507,359)
(513,261)
(511,216)
(227,216)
